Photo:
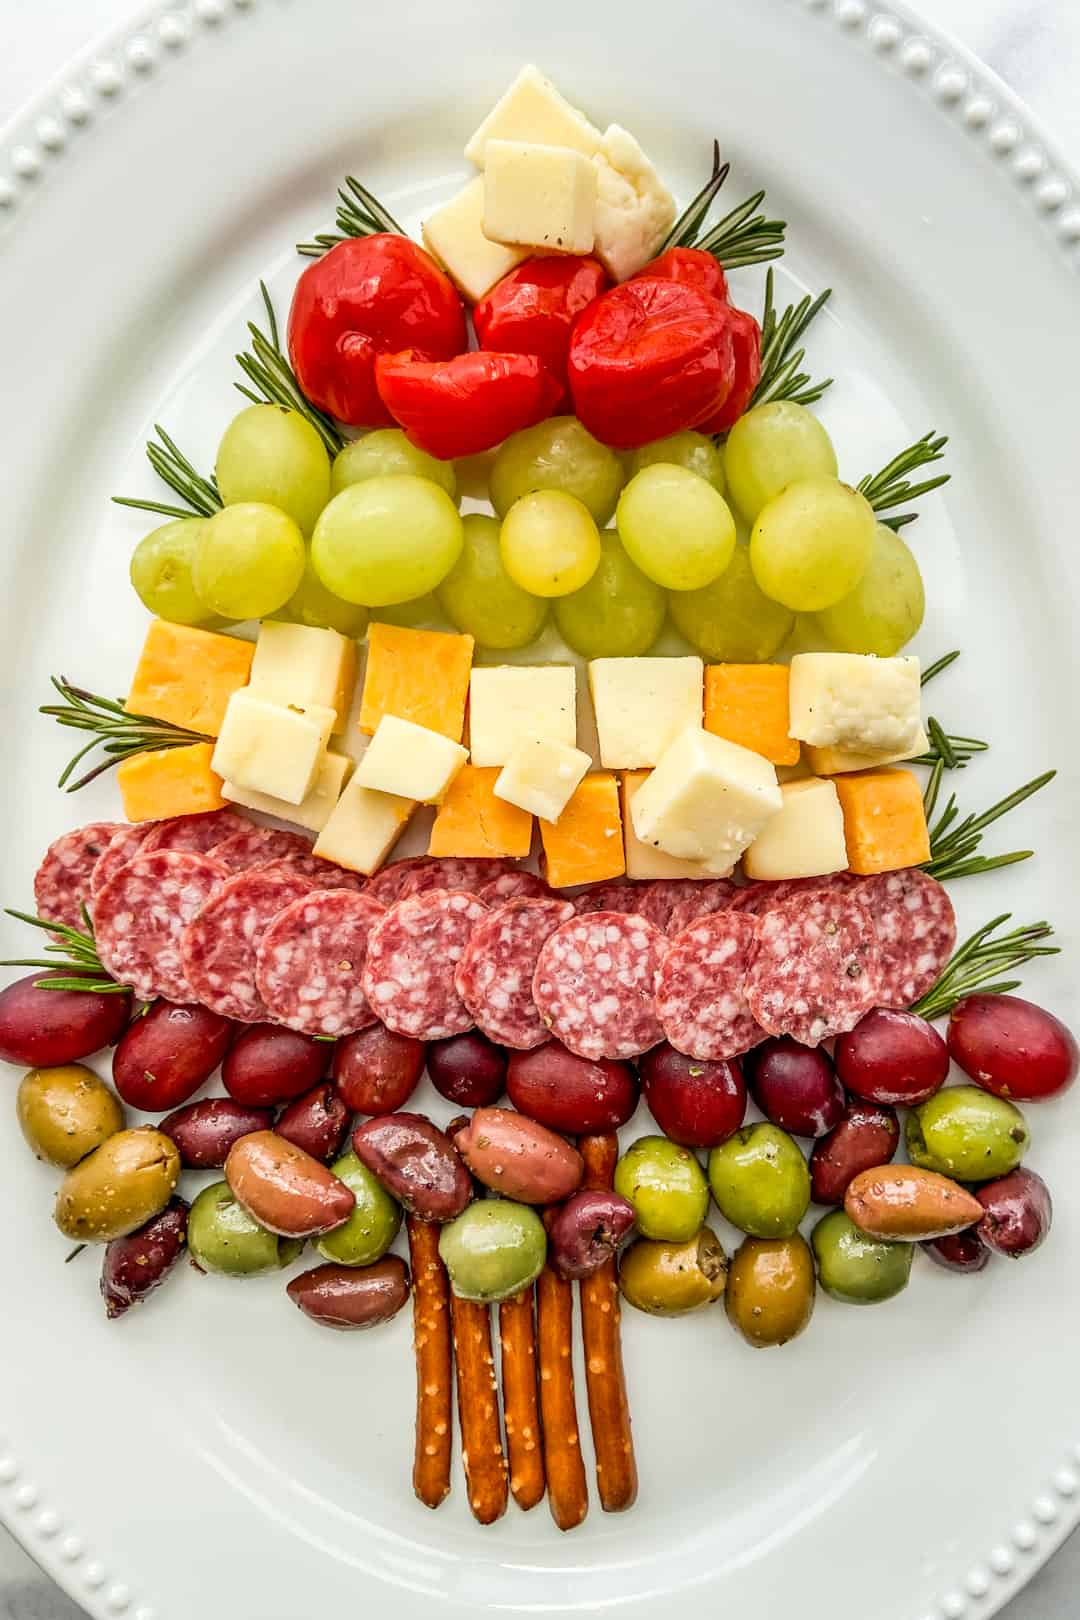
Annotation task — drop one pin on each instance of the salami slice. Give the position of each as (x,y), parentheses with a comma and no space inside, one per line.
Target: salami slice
(816,966)
(220,946)
(321,874)
(604,897)
(707,898)
(495,975)
(916,931)
(514,886)
(412,956)
(459,872)
(62,882)
(309,964)
(141,914)
(595,984)
(699,991)
(253,847)
(756,899)
(198,833)
(386,886)
(121,848)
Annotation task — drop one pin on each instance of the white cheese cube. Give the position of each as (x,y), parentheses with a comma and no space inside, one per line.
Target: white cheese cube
(540,776)
(314,811)
(838,761)
(296,663)
(539,196)
(806,839)
(455,236)
(533,110)
(645,860)
(634,209)
(363,828)
(707,798)
(512,701)
(854,701)
(273,748)
(410,760)
(641,706)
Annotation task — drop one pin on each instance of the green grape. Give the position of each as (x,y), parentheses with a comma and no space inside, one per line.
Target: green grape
(618,614)
(549,543)
(694,451)
(731,620)
(811,545)
(161,567)
(311,603)
(677,528)
(386,540)
(886,607)
(480,598)
(249,559)
(769,448)
(384,452)
(412,615)
(275,457)
(557,454)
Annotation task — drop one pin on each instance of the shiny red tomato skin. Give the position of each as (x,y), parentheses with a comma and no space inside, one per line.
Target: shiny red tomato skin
(746,342)
(693,267)
(649,358)
(460,407)
(533,309)
(369,296)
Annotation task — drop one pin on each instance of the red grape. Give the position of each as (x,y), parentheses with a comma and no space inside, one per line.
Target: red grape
(577,1095)
(268,1064)
(44,1028)
(795,1086)
(468,1070)
(892,1057)
(165,1056)
(696,1104)
(1011,1047)
(377,1071)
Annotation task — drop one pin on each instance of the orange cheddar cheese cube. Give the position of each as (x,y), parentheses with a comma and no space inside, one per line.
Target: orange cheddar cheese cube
(187,676)
(884,820)
(169,782)
(472,821)
(748,704)
(585,845)
(417,675)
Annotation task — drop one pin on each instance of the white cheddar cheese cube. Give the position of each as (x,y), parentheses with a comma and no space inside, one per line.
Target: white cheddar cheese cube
(296,663)
(410,761)
(314,811)
(363,828)
(533,110)
(641,706)
(645,860)
(634,209)
(511,701)
(806,839)
(273,748)
(838,761)
(455,236)
(540,776)
(707,798)
(539,196)
(854,701)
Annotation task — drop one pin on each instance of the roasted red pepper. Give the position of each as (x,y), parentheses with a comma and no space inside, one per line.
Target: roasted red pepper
(369,296)
(693,267)
(746,342)
(533,309)
(459,407)
(650,358)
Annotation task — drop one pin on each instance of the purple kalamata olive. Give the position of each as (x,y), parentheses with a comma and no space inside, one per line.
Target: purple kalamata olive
(137,1264)
(586,1231)
(1019,1213)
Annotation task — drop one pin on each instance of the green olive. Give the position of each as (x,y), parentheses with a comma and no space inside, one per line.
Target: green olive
(493,1249)
(373,1224)
(667,1187)
(66,1112)
(223,1238)
(125,1181)
(770,1291)
(669,1279)
(760,1181)
(967,1133)
(857,1269)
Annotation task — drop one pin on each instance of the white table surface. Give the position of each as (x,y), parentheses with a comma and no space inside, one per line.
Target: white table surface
(1033,44)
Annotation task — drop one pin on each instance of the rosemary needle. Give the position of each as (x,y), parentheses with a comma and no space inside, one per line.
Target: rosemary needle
(975,964)
(117,732)
(954,843)
(79,952)
(780,359)
(892,487)
(200,495)
(267,368)
(742,237)
(359,213)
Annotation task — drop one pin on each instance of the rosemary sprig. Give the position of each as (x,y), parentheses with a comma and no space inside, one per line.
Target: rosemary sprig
(119,733)
(980,959)
(954,752)
(79,952)
(781,377)
(953,843)
(200,495)
(939,666)
(267,367)
(891,486)
(359,213)
(742,237)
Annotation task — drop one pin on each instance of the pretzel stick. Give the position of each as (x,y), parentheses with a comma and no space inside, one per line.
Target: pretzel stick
(609,1410)
(521,1412)
(434,1366)
(568,1494)
(478,1409)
